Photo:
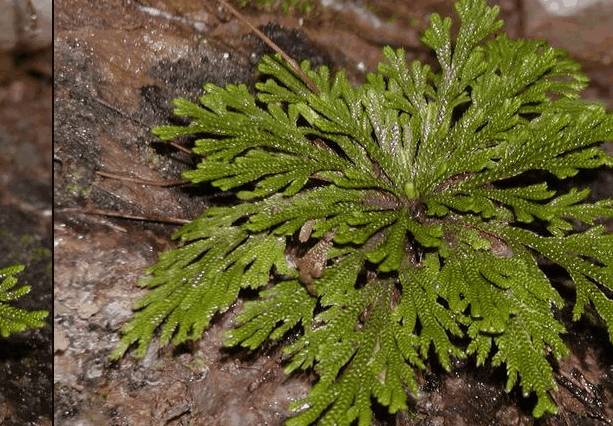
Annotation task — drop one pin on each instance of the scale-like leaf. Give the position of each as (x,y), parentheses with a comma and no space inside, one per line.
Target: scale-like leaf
(383,220)
(14,319)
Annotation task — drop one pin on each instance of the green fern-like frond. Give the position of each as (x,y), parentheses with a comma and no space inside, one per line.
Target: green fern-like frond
(382,221)
(14,319)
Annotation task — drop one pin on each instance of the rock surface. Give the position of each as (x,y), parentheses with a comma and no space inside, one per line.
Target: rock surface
(117,68)
(25,231)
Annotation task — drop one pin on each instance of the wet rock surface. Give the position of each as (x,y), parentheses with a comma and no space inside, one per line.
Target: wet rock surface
(584,29)
(25,231)
(117,67)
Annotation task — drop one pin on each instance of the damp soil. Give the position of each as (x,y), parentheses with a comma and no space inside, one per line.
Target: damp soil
(25,231)
(117,68)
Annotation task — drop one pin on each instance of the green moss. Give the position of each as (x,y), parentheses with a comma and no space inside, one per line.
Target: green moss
(302,6)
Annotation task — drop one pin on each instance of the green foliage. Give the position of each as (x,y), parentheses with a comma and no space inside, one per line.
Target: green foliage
(302,6)
(13,319)
(388,219)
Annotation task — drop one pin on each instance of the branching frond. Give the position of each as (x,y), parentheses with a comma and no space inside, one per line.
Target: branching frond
(14,319)
(384,220)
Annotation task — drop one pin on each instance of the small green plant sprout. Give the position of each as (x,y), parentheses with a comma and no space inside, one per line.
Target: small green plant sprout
(379,222)
(13,319)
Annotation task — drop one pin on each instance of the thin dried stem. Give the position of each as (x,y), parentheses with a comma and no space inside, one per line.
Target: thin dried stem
(137,121)
(180,147)
(160,183)
(112,213)
(292,63)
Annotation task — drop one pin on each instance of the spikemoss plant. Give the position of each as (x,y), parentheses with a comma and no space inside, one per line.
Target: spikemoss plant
(13,319)
(409,213)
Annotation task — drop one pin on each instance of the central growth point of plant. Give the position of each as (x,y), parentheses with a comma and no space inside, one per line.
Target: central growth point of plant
(412,212)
